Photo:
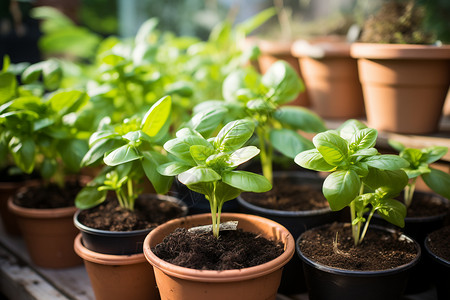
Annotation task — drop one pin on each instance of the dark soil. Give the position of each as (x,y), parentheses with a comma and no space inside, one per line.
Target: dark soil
(148,212)
(48,196)
(379,250)
(13,174)
(287,196)
(426,205)
(235,249)
(439,242)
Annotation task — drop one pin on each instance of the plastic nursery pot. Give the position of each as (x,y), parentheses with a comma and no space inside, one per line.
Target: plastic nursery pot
(296,222)
(404,86)
(118,242)
(198,204)
(331,77)
(118,277)
(48,235)
(439,270)
(328,283)
(254,283)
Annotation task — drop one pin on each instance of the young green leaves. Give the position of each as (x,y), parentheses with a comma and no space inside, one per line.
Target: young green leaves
(207,166)
(419,166)
(130,150)
(359,175)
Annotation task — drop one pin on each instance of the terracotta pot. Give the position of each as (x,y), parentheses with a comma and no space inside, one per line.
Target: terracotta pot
(331,78)
(328,283)
(404,86)
(48,235)
(118,277)
(254,283)
(272,51)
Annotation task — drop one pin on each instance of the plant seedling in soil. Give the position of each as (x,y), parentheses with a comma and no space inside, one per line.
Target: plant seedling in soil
(360,177)
(207,166)
(131,151)
(420,161)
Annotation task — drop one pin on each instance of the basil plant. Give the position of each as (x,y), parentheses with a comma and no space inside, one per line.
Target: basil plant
(131,151)
(263,100)
(360,177)
(207,166)
(419,166)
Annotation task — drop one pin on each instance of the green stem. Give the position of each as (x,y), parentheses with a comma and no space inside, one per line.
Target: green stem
(366,226)
(265,155)
(409,192)
(130,195)
(355,231)
(215,218)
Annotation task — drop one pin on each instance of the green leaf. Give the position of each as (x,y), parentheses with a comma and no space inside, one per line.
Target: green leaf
(173,168)
(234,135)
(200,153)
(63,103)
(32,73)
(98,150)
(72,152)
(392,211)
(103,134)
(396,145)
(150,162)
(237,81)
(52,73)
(364,138)
(23,151)
(204,188)
(247,181)
(366,152)
(48,167)
(206,122)
(434,153)
(438,181)
(349,128)
(197,175)
(180,147)
(145,30)
(283,82)
(225,192)
(8,85)
(386,162)
(242,155)
(313,160)
(157,117)
(289,142)
(89,197)
(300,118)
(121,155)
(333,148)
(390,183)
(413,156)
(340,188)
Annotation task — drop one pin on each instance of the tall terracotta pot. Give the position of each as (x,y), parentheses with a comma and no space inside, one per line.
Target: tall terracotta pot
(118,277)
(254,283)
(331,78)
(404,86)
(48,235)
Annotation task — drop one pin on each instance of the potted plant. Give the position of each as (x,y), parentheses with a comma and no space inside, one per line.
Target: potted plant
(436,247)
(207,166)
(39,130)
(365,181)
(114,214)
(401,64)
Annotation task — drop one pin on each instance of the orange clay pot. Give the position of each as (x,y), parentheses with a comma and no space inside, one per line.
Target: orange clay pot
(48,235)
(118,277)
(404,86)
(331,78)
(254,283)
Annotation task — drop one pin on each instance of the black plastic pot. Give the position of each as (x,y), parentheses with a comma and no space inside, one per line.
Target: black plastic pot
(327,283)
(118,242)
(439,271)
(198,204)
(296,222)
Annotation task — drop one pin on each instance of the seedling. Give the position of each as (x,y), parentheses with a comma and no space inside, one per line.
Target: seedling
(360,177)
(207,166)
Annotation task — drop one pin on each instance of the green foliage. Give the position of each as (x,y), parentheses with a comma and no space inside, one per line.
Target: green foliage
(262,99)
(420,161)
(207,166)
(131,151)
(360,177)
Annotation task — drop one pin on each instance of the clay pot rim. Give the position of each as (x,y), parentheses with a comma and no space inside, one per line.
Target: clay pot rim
(399,51)
(367,273)
(226,275)
(101,232)
(320,48)
(38,213)
(105,259)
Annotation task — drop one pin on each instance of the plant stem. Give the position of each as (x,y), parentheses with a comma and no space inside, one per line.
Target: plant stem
(366,226)
(214,215)
(130,195)
(265,155)
(355,231)
(409,191)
